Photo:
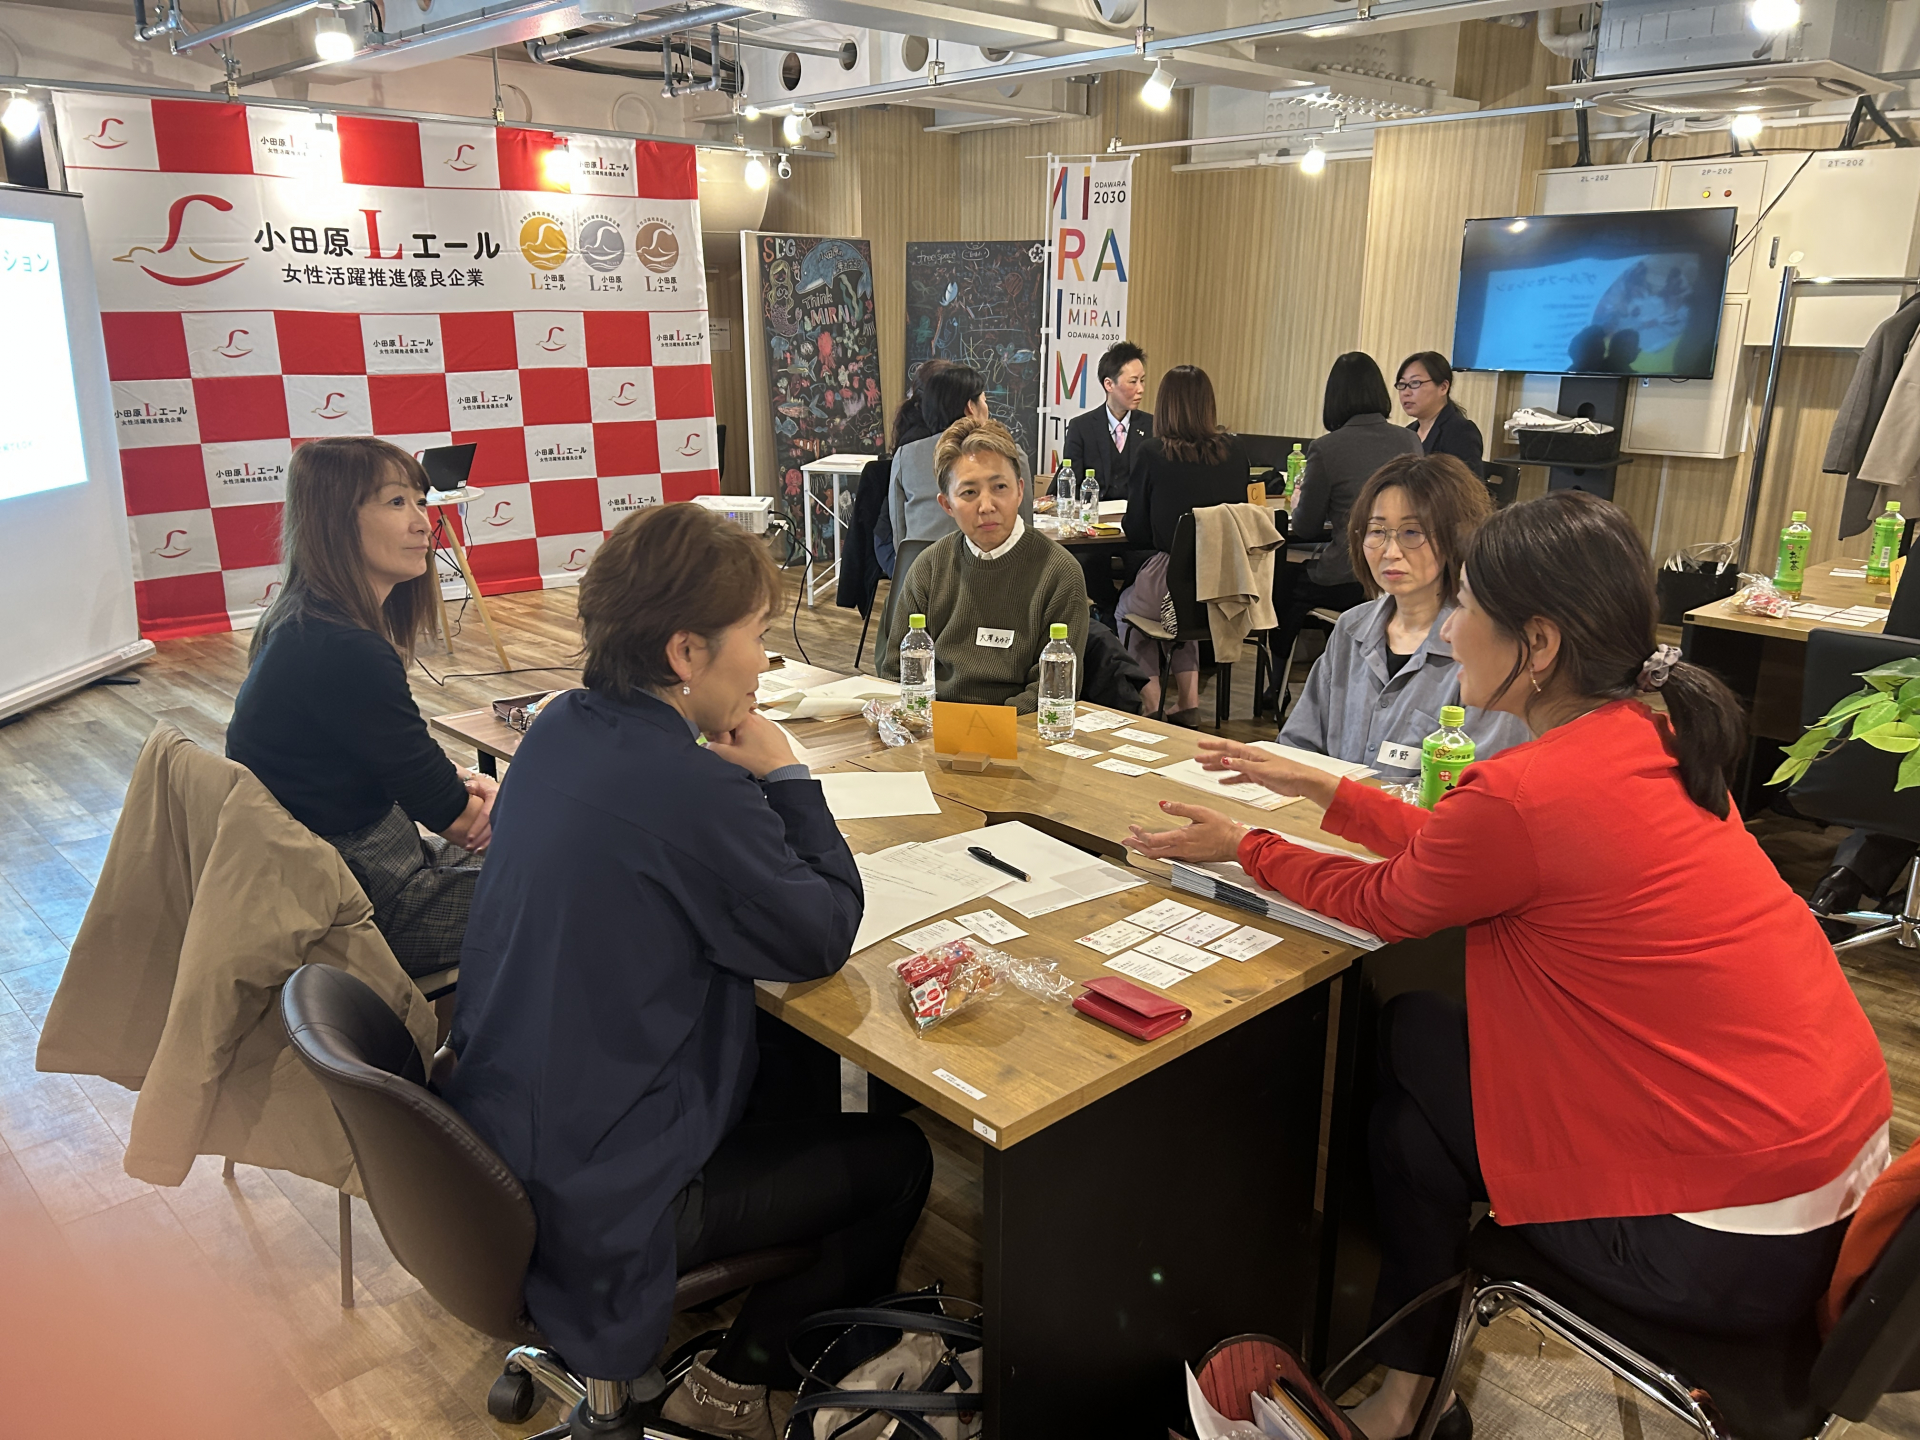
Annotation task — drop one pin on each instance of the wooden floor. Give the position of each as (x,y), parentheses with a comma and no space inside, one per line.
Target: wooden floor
(208,1309)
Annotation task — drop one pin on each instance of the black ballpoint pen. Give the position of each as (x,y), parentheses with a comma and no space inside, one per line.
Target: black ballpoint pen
(987,857)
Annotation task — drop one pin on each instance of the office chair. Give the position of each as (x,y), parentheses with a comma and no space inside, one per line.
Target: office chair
(453,1214)
(1191,617)
(1854,785)
(1785,1386)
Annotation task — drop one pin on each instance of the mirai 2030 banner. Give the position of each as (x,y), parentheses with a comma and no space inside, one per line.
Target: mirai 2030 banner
(1089,209)
(269,276)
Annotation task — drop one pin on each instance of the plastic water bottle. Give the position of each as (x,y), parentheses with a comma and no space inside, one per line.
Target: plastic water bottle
(1296,465)
(1059,686)
(1443,755)
(1066,497)
(1886,544)
(1089,501)
(916,675)
(1791,568)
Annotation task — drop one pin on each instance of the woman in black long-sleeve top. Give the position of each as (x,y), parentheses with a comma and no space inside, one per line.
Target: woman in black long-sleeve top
(324,718)
(1425,385)
(1190,464)
(659,851)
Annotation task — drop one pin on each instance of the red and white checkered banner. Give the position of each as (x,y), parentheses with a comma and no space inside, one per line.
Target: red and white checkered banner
(271,276)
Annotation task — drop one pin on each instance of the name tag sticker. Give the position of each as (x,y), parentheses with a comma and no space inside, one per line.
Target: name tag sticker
(1399,757)
(994,639)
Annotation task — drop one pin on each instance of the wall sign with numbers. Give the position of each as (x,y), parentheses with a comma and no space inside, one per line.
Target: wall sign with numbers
(270,276)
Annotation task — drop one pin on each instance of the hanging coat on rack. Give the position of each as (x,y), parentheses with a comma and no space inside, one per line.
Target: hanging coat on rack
(1883,363)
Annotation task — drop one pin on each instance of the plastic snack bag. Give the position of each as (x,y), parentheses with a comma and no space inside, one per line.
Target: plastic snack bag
(1758,597)
(883,718)
(945,979)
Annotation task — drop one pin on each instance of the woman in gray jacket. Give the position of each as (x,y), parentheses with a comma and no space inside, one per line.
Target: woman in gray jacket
(1377,692)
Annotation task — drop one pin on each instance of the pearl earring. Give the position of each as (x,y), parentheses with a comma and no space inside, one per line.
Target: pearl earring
(688,689)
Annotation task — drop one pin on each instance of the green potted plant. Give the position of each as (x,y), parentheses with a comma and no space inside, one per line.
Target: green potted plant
(1885,715)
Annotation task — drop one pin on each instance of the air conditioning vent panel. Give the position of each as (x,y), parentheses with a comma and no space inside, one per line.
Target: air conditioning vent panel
(1721,91)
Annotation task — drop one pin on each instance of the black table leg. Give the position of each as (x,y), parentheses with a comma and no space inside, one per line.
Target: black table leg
(1138,1231)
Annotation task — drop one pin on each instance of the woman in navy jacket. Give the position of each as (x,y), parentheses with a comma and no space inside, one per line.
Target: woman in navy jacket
(655,852)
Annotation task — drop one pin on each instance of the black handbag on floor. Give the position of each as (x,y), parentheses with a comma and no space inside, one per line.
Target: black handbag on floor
(906,1365)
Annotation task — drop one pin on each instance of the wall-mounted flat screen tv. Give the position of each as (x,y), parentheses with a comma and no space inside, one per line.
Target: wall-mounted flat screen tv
(1628,292)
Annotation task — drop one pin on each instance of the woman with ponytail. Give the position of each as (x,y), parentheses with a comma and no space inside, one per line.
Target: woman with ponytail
(1660,1076)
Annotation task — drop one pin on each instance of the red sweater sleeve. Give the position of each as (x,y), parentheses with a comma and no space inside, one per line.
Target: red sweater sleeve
(1467,860)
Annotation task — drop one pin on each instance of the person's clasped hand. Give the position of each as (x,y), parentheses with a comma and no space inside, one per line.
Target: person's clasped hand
(756,745)
(1239,762)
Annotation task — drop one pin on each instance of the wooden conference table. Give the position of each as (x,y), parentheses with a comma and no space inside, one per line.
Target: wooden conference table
(1141,1199)
(1763,658)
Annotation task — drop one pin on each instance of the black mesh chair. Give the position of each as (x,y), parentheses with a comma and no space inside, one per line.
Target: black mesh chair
(453,1214)
(1788,1386)
(1854,785)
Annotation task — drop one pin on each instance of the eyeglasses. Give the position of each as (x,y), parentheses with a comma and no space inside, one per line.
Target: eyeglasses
(1407,539)
(1403,386)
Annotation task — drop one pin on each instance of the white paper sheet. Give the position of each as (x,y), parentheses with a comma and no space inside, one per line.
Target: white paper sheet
(1145,967)
(928,936)
(1202,929)
(1189,773)
(1135,752)
(1097,720)
(872,795)
(1245,943)
(1164,916)
(1062,875)
(1145,737)
(1164,948)
(1073,752)
(912,883)
(991,926)
(1120,767)
(1346,769)
(1115,938)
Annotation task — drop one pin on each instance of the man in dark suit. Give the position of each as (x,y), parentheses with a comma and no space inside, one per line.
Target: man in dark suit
(1108,441)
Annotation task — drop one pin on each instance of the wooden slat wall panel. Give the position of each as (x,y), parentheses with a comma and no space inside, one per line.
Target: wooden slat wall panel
(730,366)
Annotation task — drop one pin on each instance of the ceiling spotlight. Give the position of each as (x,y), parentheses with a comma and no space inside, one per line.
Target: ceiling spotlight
(331,42)
(1314,161)
(786,168)
(1157,93)
(794,128)
(22,117)
(1747,126)
(1771,17)
(756,172)
(747,110)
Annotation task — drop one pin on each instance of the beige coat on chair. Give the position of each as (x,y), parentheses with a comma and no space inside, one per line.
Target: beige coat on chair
(1233,549)
(211,896)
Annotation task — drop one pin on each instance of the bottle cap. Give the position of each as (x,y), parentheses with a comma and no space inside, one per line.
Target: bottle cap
(916,622)
(1452,716)
(1893,507)
(1798,516)
(1056,632)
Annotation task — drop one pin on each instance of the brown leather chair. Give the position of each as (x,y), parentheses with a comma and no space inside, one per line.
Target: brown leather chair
(452,1213)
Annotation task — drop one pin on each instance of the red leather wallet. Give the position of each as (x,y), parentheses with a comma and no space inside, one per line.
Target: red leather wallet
(1129,1008)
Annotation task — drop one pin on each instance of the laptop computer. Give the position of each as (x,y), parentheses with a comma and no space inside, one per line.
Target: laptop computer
(448,466)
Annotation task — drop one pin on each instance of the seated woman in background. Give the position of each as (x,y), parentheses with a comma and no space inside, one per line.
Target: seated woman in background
(909,425)
(951,393)
(1359,440)
(664,852)
(324,718)
(1678,1104)
(1425,385)
(1377,691)
(1190,464)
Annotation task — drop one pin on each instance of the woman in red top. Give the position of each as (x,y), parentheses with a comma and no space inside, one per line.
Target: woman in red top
(1660,1073)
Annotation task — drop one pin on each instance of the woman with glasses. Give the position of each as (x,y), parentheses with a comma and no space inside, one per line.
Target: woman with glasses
(1377,692)
(1425,386)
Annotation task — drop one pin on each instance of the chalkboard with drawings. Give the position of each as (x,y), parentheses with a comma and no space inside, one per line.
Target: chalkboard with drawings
(823,360)
(977,302)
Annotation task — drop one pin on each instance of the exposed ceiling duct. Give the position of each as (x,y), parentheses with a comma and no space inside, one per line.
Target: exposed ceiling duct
(547,51)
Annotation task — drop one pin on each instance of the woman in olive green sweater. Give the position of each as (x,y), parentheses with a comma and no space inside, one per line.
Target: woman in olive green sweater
(991,591)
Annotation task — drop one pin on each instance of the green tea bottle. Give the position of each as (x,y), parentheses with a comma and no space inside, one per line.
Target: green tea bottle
(1443,755)
(1296,463)
(1886,544)
(1791,567)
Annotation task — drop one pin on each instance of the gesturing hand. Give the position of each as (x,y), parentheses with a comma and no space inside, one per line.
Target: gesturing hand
(1211,836)
(1282,776)
(756,745)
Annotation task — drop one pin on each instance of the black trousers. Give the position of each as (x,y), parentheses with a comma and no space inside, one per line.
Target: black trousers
(1426,1176)
(1294,598)
(852,1185)
(1877,859)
